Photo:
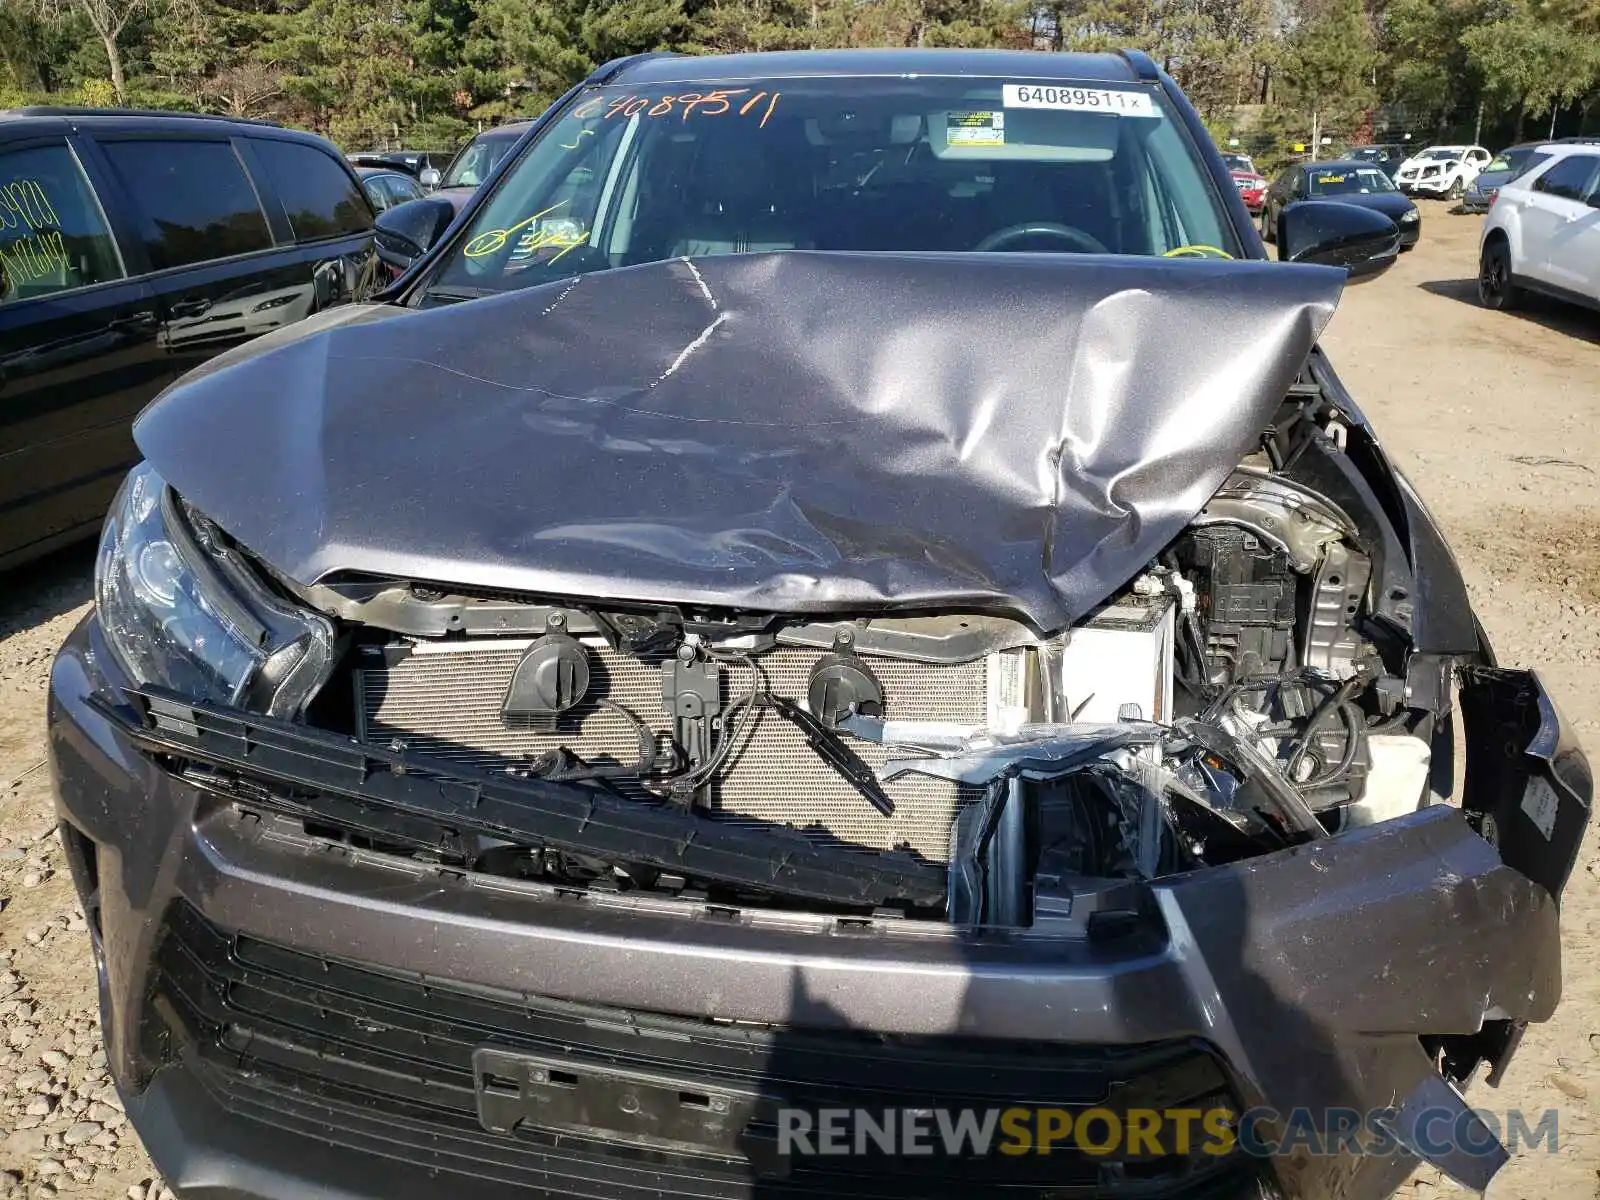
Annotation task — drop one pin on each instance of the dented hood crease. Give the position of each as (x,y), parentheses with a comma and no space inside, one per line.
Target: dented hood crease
(782,432)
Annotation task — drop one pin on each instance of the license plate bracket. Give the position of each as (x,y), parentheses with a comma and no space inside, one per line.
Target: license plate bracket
(638,1107)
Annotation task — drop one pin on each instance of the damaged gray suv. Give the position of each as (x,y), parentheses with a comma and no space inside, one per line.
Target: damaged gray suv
(835,635)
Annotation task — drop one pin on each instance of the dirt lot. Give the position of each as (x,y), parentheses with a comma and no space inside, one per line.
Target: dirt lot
(1496,419)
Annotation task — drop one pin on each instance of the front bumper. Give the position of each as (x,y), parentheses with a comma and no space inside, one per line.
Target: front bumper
(1430,186)
(287,1016)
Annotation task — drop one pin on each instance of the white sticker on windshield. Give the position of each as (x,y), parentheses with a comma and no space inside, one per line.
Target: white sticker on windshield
(975,128)
(1118,102)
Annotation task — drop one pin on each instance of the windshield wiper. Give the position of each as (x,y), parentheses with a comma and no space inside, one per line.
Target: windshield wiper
(452,295)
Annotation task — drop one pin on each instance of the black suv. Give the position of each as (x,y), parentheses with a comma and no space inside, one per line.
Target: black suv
(134,246)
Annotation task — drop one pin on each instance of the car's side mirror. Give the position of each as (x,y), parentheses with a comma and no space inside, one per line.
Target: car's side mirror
(406,231)
(429,177)
(1360,240)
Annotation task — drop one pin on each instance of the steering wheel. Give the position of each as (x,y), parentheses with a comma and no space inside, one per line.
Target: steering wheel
(1085,243)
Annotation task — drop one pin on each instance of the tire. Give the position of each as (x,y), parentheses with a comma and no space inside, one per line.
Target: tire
(1267,233)
(1458,189)
(1495,289)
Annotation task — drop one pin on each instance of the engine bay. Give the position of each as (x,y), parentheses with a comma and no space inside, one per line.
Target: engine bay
(1245,692)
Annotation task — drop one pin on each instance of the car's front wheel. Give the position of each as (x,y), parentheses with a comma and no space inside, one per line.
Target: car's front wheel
(1457,189)
(1267,234)
(1495,289)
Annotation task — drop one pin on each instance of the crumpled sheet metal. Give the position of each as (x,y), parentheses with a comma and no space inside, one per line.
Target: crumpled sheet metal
(786,432)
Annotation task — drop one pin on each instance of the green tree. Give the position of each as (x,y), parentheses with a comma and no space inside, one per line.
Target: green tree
(1534,62)
(1325,71)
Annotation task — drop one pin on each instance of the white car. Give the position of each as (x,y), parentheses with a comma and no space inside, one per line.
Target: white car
(1543,232)
(1441,170)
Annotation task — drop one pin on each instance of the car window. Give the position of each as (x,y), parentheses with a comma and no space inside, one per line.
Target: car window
(376,192)
(1569,178)
(53,235)
(472,166)
(196,200)
(1349,181)
(319,197)
(846,164)
(401,189)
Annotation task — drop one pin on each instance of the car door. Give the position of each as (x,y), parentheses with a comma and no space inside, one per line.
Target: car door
(205,235)
(1555,219)
(1575,247)
(78,350)
(319,203)
(227,263)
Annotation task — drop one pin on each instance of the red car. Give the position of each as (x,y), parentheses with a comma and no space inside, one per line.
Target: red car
(1252,189)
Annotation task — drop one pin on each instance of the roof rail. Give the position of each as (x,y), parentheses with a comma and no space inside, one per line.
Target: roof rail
(610,70)
(1144,67)
(74,110)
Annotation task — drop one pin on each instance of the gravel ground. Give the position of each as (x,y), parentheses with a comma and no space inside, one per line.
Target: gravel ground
(1493,416)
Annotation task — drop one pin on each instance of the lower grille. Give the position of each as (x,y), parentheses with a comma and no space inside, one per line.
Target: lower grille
(380,1062)
(444,700)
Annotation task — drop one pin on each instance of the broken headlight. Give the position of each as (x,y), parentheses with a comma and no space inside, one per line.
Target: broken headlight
(182,611)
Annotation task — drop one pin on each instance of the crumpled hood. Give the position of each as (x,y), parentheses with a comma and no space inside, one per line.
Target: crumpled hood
(784,432)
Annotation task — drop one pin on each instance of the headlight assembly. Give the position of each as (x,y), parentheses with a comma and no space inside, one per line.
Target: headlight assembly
(1410,217)
(181,610)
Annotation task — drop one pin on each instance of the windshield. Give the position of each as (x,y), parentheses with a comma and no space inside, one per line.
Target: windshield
(1346,181)
(472,166)
(1442,152)
(896,164)
(1515,160)
(1370,154)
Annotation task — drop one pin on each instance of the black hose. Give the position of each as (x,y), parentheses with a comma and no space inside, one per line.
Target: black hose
(1328,704)
(1354,726)
(552,765)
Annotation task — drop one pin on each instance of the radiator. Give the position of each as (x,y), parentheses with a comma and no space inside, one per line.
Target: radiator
(444,699)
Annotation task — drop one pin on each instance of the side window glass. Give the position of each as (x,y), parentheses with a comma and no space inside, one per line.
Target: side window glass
(319,197)
(399,190)
(195,198)
(53,235)
(1569,178)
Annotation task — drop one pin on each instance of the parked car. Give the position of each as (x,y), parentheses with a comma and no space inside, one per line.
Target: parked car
(1239,162)
(1386,156)
(134,246)
(412,162)
(1503,168)
(1441,171)
(404,234)
(1542,233)
(1507,165)
(474,161)
(1252,189)
(843,580)
(1346,182)
(386,188)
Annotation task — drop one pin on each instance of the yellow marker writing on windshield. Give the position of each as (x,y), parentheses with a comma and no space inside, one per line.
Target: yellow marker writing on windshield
(1197,251)
(491,240)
